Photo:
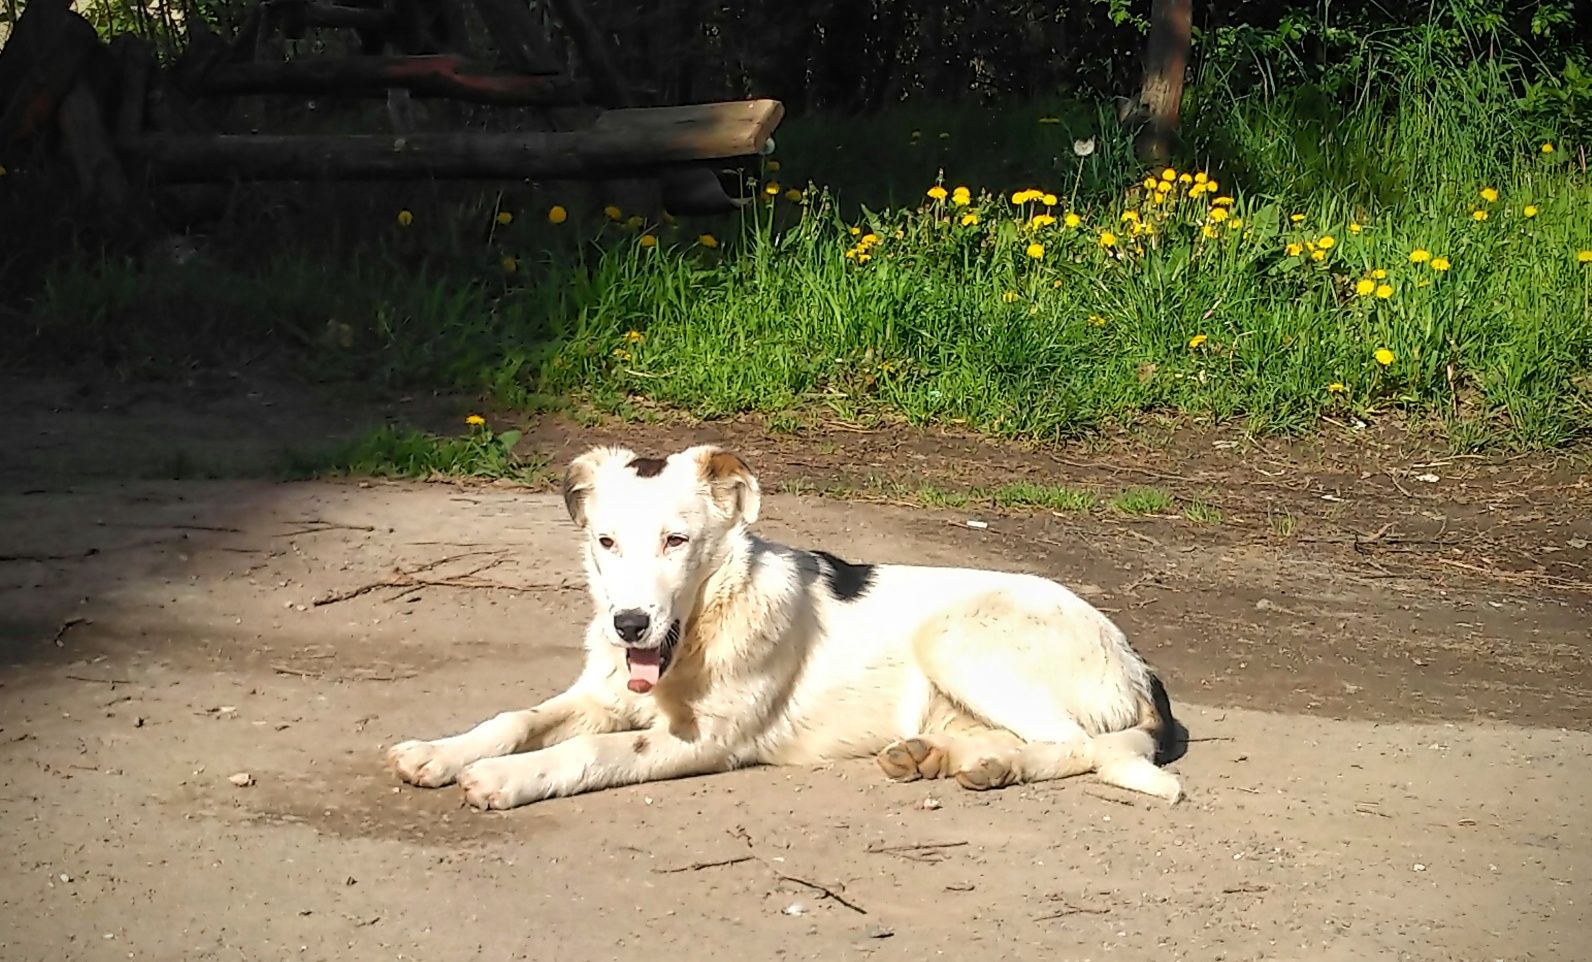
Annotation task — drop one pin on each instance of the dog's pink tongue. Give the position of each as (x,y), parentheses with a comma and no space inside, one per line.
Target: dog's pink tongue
(643,669)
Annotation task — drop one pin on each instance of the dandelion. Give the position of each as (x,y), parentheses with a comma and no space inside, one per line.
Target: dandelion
(557,214)
(1185,178)
(1036,251)
(1207,230)
(1072,220)
(1336,387)
(1218,214)
(623,354)
(1020,197)
(1365,287)
(772,188)
(1384,291)
(1531,210)
(1547,148)
(937,192)
(869,239)
(1169,174)
(855,231)
(1095,320)
(793,195)
(1489,194)
(1009,297)
(1297,218)
(1049,200)
(1149,183)
(505,218)
(634,222)
(475,420)
(1379,274)
(1107,239)
(405,218)
(1294,250)
(1583,257)
(1420,255)
(1236,223)
(1383,356)
(510,265)
(708,240)
(613,213)
(1201,177)
(1041,220)
(1222,202)
(772,166)
(1440,264)
(1129,216)
(1326,242)
(969,219)
(1355,228)
(1478,215)
(1083,148)
(1318,255)
(1196,341)
(647,240)
(961,197)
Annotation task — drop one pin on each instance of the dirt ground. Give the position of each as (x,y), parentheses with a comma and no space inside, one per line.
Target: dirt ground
(1389,702)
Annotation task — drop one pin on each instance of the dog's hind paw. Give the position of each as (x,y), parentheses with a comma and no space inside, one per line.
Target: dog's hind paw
(982,774)
(422,764)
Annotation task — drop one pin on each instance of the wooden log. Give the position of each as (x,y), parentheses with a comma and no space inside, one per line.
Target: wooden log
(432,75)
(624,142)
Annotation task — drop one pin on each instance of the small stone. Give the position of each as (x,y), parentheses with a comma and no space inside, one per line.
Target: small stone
(795,908)
(877,931)
(1419,867)
(241,779)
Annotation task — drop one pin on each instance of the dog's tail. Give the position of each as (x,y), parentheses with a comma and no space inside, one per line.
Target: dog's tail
(1131,758)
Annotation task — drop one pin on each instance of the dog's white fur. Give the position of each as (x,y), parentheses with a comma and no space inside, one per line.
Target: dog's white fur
(991,677)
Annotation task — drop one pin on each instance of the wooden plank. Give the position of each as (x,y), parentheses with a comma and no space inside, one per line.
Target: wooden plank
(746,123)
(616,148)
(427,75)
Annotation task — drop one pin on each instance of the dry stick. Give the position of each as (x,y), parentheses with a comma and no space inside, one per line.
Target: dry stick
(324,526)
(399,579)
(67,626)
(102,681)
(923,847)
(741,833)
(1071,910)
(699,866)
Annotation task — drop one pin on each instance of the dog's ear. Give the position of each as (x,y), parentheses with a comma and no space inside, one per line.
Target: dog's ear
(731,481)
(582,475)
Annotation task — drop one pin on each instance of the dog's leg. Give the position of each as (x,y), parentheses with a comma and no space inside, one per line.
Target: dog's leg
(588,763)
(941,755)
(431,764)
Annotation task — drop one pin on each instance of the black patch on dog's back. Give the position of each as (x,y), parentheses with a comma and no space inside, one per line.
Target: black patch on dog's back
(846,581)
(647,467)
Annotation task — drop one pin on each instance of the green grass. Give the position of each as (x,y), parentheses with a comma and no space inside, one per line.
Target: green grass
(1142,501)
(1052,497)
(391,452)
(1250,311)
(1202,512)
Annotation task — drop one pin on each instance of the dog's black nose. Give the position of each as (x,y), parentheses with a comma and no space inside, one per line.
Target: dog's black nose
(632,624)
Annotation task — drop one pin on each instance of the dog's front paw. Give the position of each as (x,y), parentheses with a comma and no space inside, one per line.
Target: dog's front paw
(496,784)
(424,764)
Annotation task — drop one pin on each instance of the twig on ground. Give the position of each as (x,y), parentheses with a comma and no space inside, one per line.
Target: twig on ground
(1245,889)
(699,866)
(102,681)
(67,626)
(320,526)
(1071,910)
(1108,798)
(741,833)
(928,852)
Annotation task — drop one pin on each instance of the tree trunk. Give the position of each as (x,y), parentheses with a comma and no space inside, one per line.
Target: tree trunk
(1165,63)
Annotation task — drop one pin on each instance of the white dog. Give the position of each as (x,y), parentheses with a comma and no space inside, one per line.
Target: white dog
(713,649)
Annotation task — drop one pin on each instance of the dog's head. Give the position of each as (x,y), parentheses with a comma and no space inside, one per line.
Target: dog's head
(654,530)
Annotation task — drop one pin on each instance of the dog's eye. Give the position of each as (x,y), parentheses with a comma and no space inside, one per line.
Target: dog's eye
(674,541)
(606,542)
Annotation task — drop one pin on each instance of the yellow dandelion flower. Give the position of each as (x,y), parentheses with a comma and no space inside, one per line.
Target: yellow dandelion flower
(1384,356)
(505,218)
(1196,341)
(794,196)
(772,188)
(1294,250)
(1207,230)
(613,213)
(647,240)
(1095,320)
(1420,255)
(772,166)
(1129,215)
(1547,148)
(1164,187)
(557,214)
(634,337)
(1478,215)
(634,222)
(1531,210)
(1354,227)
(475,420)
(1009,297)
(855,231)
(1201,177)
(1489,194)
(1384,291)
(1336,387)
(1211,186)
(405,218)
(937,192)
(1297,218)
(1150,183)
(1107,239)
(1072,220)
(969,219)
(961,197)
(1440,264)
(1318,255)
(1169,174)
(623,354)
(1326,242)
(510,265)
(1199,189)
(708,240)
(1036,251)
(1185,179)
(1049,200)
(1583,257)
(1236,223)
(1218,214)
(1379,274)
(1365,287)
(1041,220)
(1222,202)
(869,239)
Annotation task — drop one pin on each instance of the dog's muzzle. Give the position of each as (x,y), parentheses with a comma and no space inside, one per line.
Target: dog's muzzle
(647,665)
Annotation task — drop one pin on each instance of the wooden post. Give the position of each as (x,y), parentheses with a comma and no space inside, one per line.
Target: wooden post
(1165,63)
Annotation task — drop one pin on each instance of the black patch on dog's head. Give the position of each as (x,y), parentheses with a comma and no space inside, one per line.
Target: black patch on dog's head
(647,467)
(846,581)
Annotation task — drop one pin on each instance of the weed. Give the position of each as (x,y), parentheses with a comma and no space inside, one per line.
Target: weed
(1142,501)
(1202,512)
(407,453)
(1053,497)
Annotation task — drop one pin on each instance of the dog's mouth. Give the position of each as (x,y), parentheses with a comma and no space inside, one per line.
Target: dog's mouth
(647,665)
